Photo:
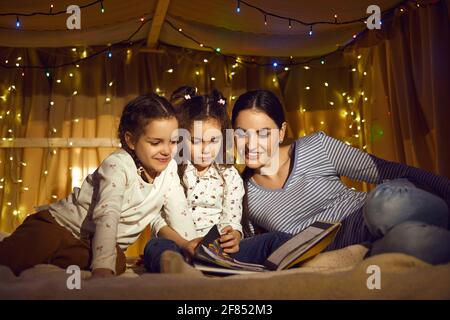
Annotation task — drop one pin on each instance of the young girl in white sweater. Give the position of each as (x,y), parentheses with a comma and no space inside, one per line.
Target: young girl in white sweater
(95,223)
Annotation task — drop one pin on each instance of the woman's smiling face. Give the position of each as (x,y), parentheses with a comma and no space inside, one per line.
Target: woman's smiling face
(257,137)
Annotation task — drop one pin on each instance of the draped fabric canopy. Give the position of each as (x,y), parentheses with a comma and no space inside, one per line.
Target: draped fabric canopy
(386,93)
(214,22)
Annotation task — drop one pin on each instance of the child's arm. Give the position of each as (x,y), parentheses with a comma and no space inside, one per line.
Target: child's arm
(230,219)
(109,180)
(175,210)
(189,246)
(232,200)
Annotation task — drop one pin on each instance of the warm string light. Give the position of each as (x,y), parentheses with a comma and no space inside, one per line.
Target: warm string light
(50,12)
(335,21)
(356,135)
(85,56)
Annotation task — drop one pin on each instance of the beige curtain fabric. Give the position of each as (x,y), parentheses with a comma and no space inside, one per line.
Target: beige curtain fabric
(387,95)
(213,22)
(415,66)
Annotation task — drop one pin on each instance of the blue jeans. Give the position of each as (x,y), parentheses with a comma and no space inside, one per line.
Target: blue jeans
(403,218)
(255,249)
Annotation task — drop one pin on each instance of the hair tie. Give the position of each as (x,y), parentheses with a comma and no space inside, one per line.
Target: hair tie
(222,101)
(187,96)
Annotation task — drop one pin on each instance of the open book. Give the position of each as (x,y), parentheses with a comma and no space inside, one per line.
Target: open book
(210,258)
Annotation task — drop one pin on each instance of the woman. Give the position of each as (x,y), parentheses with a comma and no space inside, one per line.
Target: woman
(290,187)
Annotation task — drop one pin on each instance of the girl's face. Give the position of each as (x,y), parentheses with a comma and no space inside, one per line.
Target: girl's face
(155,147)
(257,138)
(206,142)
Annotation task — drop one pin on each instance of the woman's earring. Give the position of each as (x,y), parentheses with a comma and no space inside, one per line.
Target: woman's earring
(140,170)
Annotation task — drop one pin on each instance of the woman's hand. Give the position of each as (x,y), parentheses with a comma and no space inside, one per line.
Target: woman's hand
(101,273)
(230,240)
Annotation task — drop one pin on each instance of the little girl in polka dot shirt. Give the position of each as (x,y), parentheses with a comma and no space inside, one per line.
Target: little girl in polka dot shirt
(213,187)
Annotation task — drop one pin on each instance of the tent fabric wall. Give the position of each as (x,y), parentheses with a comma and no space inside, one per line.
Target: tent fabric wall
(398,92)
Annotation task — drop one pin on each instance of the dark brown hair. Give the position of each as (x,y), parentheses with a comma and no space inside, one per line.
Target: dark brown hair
(191,107)
(267,102)
(138,113)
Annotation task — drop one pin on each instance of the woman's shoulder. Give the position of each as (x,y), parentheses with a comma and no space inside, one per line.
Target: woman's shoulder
(313,139)
(315,136)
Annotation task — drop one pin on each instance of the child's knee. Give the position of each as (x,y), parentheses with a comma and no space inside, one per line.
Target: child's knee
(153,251)
(159,244)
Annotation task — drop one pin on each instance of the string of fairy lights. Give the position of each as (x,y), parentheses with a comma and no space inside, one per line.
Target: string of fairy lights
(352,114)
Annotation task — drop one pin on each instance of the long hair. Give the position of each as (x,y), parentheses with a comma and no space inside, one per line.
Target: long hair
(138,113)
(263,101)
(192,107)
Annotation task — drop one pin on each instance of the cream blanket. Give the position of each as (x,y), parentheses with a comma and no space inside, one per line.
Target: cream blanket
(340,274)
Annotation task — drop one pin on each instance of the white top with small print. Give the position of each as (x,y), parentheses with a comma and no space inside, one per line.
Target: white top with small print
(114,205)
(214,198)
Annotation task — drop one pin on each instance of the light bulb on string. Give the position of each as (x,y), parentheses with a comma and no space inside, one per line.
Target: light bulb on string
(18,24)
(109,54)
(265,20)
(335,18)
(102,9)
(238,6)
(310,30)
(51,8)
(290,24)
(275,64)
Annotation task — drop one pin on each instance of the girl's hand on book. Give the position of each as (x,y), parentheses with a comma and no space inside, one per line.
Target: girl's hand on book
(230,240)
(190,246)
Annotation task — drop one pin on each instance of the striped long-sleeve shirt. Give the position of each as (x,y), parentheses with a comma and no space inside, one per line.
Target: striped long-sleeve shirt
(314,190)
